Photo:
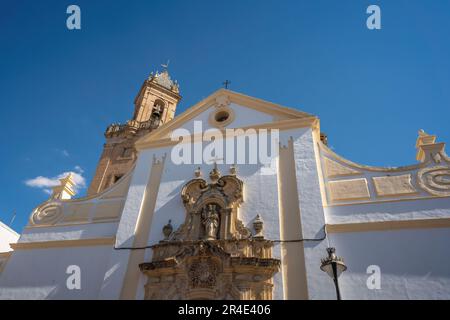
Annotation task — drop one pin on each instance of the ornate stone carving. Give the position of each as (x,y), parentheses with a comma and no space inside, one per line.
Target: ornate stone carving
(163,79)
(47,214)
(435,180)
(222,101)
(223,195)
(210,221)
(212,255)
(258,226)
(206,270)
(203,273)
(167,230)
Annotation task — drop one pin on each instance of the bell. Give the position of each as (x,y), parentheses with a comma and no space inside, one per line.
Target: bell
(156,113)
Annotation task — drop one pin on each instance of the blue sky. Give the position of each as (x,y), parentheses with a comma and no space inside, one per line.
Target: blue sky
(372,90)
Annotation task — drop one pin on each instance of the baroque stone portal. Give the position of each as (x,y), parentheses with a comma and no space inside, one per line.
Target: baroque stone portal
(212,255)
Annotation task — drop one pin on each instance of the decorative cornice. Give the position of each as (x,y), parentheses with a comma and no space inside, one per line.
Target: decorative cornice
(71,224)
(383,200)
(238,98)
(388,225)
(5,255)
(353,165)
(63,243)
(279,125)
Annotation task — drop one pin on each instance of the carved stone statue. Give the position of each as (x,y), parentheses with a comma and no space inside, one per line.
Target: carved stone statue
(212,255)
(210,221)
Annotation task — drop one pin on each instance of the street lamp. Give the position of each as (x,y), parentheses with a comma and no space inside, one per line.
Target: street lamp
(333,266)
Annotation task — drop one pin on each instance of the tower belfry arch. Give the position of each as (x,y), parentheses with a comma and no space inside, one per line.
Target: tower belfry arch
(154,105)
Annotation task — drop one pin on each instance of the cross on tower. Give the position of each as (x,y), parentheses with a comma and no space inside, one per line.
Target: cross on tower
(166,65)
(226,83)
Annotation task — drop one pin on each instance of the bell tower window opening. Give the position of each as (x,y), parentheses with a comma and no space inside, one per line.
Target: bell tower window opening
(113,179)
(116,178)
(158,108)
(154,105)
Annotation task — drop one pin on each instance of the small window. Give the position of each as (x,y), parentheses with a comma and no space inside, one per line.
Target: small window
(112,180)
(159,104)
(117,177)
(221,116)
(158,108)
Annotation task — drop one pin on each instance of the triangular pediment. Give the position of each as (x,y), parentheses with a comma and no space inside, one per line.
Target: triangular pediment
(246,112)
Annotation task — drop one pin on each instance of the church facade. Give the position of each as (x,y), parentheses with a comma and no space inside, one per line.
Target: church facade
(189,207)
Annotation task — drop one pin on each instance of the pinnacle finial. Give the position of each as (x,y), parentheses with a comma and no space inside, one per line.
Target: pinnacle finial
(427,141)
(65,190)
(214,175)
(163,78)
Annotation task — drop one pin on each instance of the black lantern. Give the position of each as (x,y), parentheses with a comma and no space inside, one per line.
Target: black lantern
(333,266)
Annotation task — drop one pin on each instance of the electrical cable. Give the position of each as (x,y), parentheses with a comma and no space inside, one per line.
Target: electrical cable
(305,239)
(275,241)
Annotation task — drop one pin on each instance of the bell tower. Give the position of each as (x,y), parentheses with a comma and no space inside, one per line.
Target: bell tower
(154,105)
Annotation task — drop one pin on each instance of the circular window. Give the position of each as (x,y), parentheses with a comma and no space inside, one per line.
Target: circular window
(221,117)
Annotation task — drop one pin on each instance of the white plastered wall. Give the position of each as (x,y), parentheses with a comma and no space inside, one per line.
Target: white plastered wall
(41,273)
(7,236)
(413,264)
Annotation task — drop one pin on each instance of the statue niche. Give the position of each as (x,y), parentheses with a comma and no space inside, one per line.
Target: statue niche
(210,221)
(212,209)
(211,255)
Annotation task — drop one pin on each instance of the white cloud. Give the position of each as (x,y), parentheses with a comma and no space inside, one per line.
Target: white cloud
(63,152)
(79,169)
(46,183)
(42,182)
